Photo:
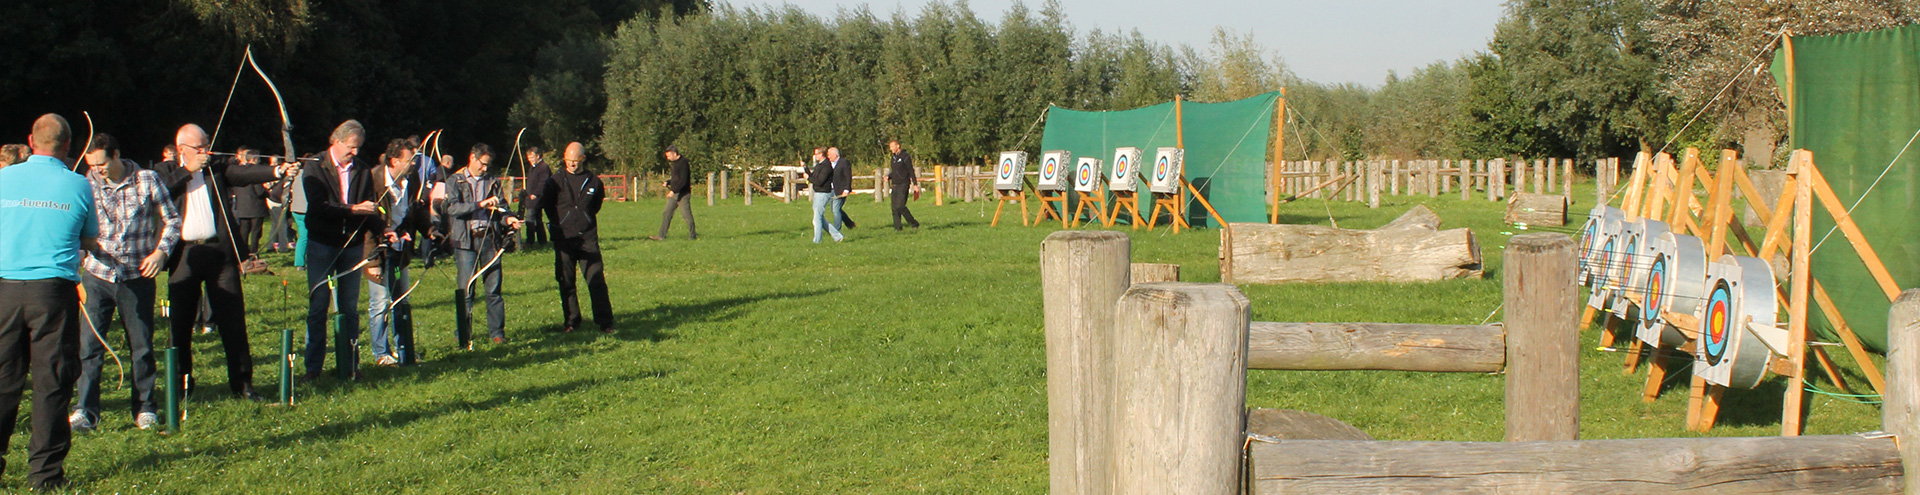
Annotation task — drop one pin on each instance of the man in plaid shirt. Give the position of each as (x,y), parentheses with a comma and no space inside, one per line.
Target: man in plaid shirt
(139,226)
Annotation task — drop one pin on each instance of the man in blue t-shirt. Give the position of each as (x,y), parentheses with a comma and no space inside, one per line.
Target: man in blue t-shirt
(46,219)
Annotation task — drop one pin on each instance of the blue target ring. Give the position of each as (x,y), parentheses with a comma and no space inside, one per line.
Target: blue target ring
(1085,175)
(1657,287)
(1006,169)
(1160,169)
(1606,264)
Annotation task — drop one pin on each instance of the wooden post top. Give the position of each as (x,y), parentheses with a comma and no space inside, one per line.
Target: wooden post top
(1084,236)
(1539,243)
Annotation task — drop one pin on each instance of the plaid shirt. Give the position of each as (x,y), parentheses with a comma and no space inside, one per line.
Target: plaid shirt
(130,212)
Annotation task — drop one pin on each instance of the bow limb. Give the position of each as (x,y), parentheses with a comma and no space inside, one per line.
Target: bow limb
(85,149)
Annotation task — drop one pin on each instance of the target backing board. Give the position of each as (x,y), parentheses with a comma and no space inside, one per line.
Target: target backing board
(1165,175)
(1608,259)
(1126,169)
(1086,175)
(1627,276)
(1675,282)
(1054,171)
(1591,240)
(1010,174)
(1739,297)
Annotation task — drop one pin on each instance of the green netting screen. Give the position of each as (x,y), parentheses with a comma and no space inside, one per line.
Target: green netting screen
(1226,147)
(1856,104)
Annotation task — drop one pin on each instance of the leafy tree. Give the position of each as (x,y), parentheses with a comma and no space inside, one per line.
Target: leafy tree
(1585,70)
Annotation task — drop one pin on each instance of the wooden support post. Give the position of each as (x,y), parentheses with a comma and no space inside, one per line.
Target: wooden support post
(1373,184)
(746,187)
(723,184)
(1601,189)
(1498,174)
(1081,274)
(1147,273)
(879,183)
(1797,294)
(1566,178)
(1900,406)
(1540,176)
(1180,400)
(1519,179)
(1466,179)
(1552,170)
(1543,350)
(1393,179)
(709,188)
(787,188)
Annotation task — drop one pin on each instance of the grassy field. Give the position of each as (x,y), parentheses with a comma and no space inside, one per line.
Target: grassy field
(752,361)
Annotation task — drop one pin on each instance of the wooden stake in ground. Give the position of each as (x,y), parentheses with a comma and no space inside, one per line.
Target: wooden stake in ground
(1081,274)
(1543,353)
(1180,399)
(1900,409)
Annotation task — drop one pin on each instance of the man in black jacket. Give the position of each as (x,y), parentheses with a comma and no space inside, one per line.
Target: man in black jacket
(572,199)
(479,222)
(842,185)
(905,180)
(341,213)
(537,172)
(250,204)
(208,256)
(679,194)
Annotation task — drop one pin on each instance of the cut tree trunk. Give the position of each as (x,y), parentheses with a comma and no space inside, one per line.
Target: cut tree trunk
(1543,210)
(1410,249)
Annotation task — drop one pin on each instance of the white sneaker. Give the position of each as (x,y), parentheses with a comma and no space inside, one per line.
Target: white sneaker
(80,422)
(146,420)
(387,360)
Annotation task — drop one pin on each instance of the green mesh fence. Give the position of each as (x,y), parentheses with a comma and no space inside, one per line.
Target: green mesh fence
(1856,104)
(1226,147)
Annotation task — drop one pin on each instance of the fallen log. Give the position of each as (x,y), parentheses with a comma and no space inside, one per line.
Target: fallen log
(1544,210)
(1410,249)
(1809,464)
(1376,346)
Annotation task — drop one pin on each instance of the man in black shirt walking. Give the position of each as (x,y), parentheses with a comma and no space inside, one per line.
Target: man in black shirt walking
(572,198)
(905,181)
(679,194)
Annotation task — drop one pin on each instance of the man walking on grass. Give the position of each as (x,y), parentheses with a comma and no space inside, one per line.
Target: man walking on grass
(139,227)
(821,180)
(679,194)
(905,180)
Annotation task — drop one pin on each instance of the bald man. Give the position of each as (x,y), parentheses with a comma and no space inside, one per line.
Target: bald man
(208,256)
(46,221)
(572,197)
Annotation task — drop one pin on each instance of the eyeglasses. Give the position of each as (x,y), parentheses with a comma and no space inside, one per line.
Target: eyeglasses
(182,146)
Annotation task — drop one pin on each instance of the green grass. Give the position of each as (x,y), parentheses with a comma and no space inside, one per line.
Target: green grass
(752,361)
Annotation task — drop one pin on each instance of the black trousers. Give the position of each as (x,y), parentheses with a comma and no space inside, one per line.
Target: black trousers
(39,328)
(569,254)
(250,228)
(536,230)
(899,198)
(684,203)
(210,267)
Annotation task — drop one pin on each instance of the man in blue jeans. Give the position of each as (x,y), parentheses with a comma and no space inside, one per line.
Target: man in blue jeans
(821,180)
(340,214)
(406,221)
(842,186)
(139,227)
(46,220)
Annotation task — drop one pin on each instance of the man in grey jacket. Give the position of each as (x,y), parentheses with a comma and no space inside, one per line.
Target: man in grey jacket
(479,223)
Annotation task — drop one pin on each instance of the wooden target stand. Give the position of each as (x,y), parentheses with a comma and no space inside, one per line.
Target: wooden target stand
(1098,199)
(1003,197)
(1657,184)
(1175,204)
(1130,201)
(1047,201)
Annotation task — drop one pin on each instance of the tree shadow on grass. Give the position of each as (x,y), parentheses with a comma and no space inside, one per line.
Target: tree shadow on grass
(386,420)
(657,323)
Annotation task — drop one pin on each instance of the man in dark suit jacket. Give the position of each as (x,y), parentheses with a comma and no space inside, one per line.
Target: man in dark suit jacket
(572,198)
(538,229)
(341,211)
(842,185)
(209,254)
(679,194)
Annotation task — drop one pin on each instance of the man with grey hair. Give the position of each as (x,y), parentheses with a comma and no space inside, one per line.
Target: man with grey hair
(209,253)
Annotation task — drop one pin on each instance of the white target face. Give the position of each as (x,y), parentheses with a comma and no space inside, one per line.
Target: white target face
(1010,174)
(1053,170)
(1676,274)
(1737,323)
(1167,165)
(1086,176)
(1126,164)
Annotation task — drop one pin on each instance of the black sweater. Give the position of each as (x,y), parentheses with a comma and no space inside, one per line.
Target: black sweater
(573,201)
(821,177)
(679,177)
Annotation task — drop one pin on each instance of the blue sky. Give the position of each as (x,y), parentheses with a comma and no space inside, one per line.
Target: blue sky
(1355,41)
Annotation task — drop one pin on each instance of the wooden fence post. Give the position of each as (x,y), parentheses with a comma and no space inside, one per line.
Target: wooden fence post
(1496,179)
(1540,176)
(723,184)
(1180,398)
(1900,410)
(1373,184)
(879,183)
(1466,179)
(746,187)
(1082,274)
(1553,174)
(1433,178)
(1566,179)
(786,188)
(1600,186)
(1543,345)
(709,188)
(1393,179)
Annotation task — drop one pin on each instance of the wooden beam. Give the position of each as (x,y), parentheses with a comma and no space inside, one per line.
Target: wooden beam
(1377,346)
(1798,288)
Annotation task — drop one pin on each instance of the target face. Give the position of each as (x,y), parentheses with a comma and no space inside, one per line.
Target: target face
(1166,170)
(1126,167)
(1006,169)
(1656,287)
(1160,169)
(1051,169)
(1719,321)
(1085,173)
(1607,256)
(1010,174)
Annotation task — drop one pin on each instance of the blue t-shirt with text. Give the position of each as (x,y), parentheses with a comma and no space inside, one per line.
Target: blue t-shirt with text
(45,211)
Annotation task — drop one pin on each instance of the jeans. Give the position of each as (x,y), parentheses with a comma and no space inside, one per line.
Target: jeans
(380,304)
(133,299)
(468,261)
(684,203)
(821,201)
(38,330)
(329,260)
(840,213)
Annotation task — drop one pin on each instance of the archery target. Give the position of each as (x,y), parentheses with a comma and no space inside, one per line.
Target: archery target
(1676,282)
(1126,169)
(1053,170)
(1739,307)
(1627,274)
(1086,176)
(1591,239)
(1607,264)
(1167,166)
(1010,174)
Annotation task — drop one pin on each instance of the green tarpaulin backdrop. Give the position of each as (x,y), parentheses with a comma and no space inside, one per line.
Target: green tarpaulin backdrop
(1856,104)
(1226,147)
